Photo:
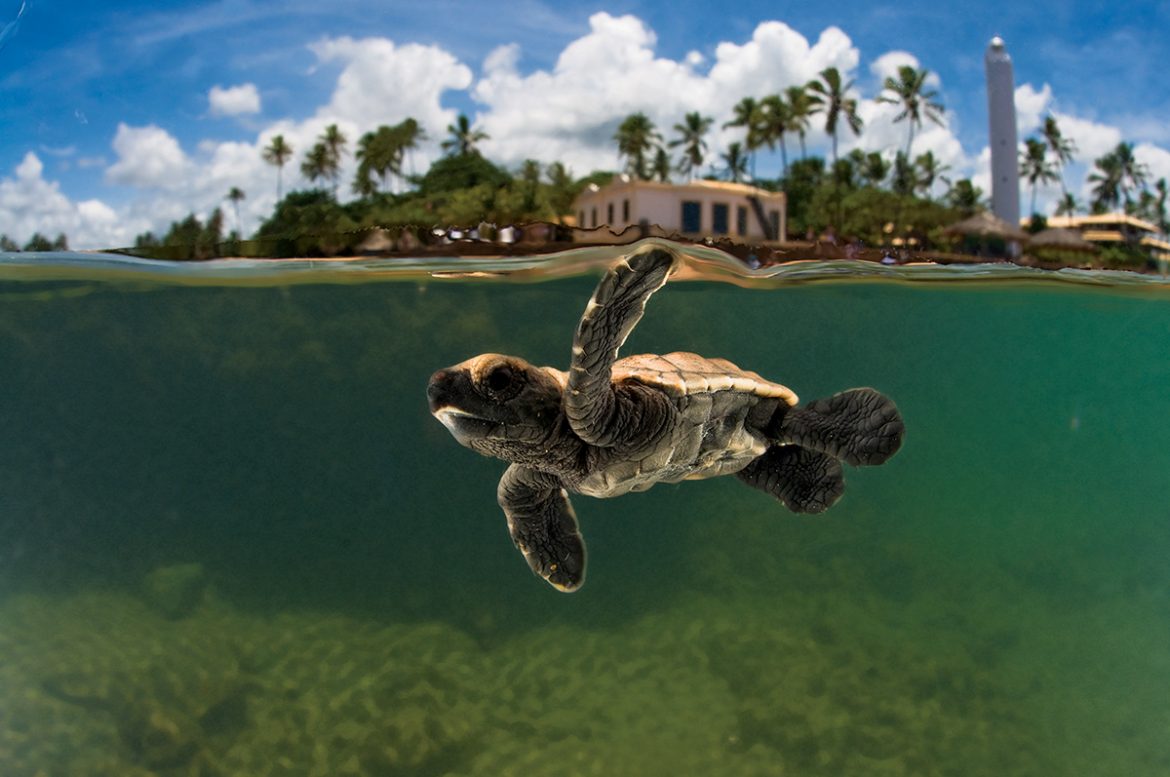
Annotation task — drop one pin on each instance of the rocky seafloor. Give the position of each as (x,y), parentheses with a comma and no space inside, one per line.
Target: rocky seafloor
(751,682)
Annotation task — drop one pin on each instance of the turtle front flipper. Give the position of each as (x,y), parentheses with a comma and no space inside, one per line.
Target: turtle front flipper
(616,307)
(805,481)
(860,426)
(543,526)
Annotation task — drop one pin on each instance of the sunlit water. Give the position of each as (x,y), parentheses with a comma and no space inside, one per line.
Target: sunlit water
(233,541)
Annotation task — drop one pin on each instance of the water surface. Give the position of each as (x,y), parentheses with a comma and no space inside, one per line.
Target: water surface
(994,600)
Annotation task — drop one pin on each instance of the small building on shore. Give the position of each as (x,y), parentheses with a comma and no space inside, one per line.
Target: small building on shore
(696,210)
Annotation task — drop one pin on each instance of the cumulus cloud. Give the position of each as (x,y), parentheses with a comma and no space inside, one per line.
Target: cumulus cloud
(380,83)
(888,65)
(567,112)
(1092,139)
(148,157)
(29,203)
(383,83)
(234,100)
(570,113)
(1155,158)
(1031,107)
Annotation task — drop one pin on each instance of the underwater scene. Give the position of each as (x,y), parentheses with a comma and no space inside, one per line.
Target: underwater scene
(234,540)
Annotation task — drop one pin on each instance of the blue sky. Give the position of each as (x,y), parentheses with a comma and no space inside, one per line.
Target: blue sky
(107,125)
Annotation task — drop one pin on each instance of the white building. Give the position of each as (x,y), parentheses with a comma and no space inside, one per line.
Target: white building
(698,209)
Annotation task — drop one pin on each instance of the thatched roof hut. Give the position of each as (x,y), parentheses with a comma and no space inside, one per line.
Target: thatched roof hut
(1060,240)
(986,225)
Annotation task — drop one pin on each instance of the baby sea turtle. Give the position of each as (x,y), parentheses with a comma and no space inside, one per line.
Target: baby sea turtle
(610,426)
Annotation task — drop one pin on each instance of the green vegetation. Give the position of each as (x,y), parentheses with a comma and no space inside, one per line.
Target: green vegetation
(37,242)
(890,198)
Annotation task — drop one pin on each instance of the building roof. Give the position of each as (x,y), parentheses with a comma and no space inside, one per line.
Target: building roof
(746,190)
(1099,220)
(986,224)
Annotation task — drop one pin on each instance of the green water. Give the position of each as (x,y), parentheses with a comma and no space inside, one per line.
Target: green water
(994,600)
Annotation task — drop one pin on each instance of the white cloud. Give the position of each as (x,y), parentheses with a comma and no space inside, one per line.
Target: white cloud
(65,151)
(1031,107)
(148,157)
(570,113)
(380,83)
(234,100)
(30,168)
(384,83)
(1156,158)
(1092,139)
(888,65)
(567,112)
(29,203)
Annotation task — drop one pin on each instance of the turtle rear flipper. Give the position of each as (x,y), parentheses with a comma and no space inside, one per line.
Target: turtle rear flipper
(543,526)
(860,426)
(805,481)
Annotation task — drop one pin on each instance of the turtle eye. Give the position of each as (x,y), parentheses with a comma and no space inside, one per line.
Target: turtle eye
(502,380)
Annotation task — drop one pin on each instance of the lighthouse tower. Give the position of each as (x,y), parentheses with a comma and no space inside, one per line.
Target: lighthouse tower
(1001,110)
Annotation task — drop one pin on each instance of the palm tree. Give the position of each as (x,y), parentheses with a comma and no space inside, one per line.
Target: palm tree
(735,161)
(747,115)
(1068,205)
(463,137)
(874,169)
(378,153)
(562,190)
(690,137)
(1133,173)
(1035,167)
(905,180)
(407,134)
(1160,205)
(528,183)
(800,108)
(277,153)
(1107,180)
(930,169)
(235,194)
(660,169)
(1061,148)
(334,142)
(317,163)
(909,91)
(965,196)
(829,96)
(774,123)
(636,137)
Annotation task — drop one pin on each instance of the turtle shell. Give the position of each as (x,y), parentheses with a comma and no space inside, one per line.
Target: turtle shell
(683,374)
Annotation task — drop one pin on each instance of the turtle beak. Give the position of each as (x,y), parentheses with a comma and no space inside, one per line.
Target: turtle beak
(441,390)
(447,392)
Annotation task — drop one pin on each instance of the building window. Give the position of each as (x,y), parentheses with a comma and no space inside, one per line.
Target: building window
(692,218)
(719,212)
(625,211)
(774,218)
(581,219)
(740,220)
(593,214)
(609,213)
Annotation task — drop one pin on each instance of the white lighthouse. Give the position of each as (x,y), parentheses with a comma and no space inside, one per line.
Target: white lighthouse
(1001,111)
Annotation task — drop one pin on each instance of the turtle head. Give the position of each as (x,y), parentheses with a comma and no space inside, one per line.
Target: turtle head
(499,405)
